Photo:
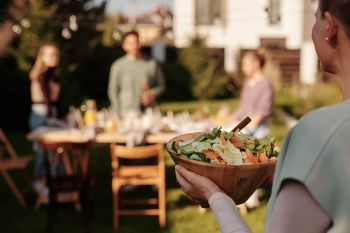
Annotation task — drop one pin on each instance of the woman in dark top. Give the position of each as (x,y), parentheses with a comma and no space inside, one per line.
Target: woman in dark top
(44,94)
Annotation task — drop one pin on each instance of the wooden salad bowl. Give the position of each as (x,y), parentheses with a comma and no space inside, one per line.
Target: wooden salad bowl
(237,181)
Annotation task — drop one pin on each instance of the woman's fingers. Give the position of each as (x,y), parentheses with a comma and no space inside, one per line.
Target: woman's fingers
(183,182)
(184,172)
(191,177)
(195,185)
(194,178)
(187,188)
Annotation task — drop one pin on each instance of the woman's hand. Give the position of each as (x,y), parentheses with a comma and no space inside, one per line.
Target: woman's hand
(197,188)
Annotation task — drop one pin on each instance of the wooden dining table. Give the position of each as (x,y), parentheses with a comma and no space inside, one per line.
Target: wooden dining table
(68,138)
(53,139)
(58,135)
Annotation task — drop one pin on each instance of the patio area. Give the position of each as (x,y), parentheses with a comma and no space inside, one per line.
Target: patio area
(182,214)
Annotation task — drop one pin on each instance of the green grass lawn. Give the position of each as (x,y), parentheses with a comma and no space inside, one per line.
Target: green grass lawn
(182,215)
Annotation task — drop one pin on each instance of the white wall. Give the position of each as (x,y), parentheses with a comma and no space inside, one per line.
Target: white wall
(245,26)
(184,21)
(308,63)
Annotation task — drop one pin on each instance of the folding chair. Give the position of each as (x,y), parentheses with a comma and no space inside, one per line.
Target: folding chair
(14,162)
(59,155)
(126,174)
(76,185)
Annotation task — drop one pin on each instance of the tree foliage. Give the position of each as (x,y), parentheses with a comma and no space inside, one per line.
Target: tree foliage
(208,76)
(38,32)
(49,21)
(43,21)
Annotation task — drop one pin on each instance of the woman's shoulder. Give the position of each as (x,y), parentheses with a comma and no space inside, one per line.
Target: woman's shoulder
(313,132)
(315,152)
(316,128)
(265,82)
(327,117)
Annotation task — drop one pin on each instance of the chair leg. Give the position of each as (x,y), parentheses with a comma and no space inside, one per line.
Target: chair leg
(38,201)
(85,209)
(14,188)
(77,206)
(29,180)
(42,197)
(162,204)
(67,164)
(116,209)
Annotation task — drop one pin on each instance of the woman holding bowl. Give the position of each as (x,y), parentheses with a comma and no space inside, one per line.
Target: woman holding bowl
(311,188)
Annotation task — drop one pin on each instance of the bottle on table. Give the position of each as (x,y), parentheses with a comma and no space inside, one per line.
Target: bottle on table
(90,115)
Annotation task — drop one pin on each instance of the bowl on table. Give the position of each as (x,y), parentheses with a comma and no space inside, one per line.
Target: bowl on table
(237,181)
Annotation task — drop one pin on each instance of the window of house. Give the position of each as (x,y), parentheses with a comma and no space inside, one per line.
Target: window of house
(210,12)
(274,11)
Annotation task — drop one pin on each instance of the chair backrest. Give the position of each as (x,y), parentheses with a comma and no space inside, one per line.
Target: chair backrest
(140,175)
(138,152)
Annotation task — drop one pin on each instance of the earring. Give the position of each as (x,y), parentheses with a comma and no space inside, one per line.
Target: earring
(327,38)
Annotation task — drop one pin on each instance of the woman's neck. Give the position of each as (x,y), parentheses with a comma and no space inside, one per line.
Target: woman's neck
(344,69)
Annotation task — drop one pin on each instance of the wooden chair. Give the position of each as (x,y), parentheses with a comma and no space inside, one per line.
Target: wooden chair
(74,186)
(138,175)
(13,162)
(59,155)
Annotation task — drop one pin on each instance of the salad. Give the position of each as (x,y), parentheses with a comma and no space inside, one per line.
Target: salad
(227,148)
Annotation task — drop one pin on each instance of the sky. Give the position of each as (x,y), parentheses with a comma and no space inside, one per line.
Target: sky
(134,6)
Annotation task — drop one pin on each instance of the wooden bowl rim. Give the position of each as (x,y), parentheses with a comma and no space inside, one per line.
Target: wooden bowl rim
(186,159)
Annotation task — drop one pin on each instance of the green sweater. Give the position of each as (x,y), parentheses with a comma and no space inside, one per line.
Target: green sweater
(126,80)
(316,152)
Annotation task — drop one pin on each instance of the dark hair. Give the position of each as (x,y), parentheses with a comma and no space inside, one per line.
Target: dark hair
(340,9)
(258,55)
(129,33)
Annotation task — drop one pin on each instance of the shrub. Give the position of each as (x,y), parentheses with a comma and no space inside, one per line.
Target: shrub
(299,99)
(208,76)
(178,83)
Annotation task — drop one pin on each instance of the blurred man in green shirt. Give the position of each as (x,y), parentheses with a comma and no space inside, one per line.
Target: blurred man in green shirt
(134,82)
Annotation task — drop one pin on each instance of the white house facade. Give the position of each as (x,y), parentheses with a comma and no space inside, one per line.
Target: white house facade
(242,24)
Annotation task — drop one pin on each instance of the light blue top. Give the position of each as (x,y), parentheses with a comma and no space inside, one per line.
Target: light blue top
(316,152)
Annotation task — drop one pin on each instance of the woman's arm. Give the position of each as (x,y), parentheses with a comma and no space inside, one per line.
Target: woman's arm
(297,211)
(264,106)
(227,215)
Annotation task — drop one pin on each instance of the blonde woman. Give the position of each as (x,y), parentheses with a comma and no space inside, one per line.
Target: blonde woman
(45,91)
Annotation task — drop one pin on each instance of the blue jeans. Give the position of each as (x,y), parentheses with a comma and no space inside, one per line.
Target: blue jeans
(35,121)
